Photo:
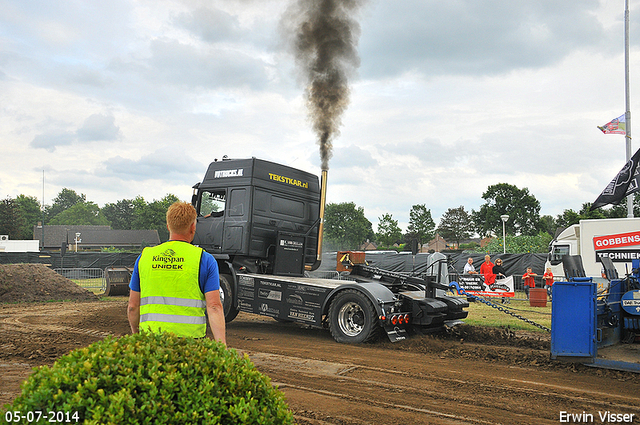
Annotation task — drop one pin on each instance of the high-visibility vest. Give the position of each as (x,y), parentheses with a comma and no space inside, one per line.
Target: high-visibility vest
(170,296)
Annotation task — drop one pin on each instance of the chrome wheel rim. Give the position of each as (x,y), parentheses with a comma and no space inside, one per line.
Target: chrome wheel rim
(351,319)
(221,291)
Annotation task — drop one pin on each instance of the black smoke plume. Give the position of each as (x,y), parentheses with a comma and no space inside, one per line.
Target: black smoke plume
(325,36)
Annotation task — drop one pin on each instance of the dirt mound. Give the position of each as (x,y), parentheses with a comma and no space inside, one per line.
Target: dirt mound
(466,342)
(36,282)
(500,336)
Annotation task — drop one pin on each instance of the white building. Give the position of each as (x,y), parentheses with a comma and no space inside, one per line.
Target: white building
(7,245)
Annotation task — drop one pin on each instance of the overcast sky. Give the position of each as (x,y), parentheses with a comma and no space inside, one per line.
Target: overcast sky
(123,98)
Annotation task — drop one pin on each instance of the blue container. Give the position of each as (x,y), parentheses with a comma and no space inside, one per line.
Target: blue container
(573,321)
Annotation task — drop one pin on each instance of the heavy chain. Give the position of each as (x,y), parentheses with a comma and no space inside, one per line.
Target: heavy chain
(503,309)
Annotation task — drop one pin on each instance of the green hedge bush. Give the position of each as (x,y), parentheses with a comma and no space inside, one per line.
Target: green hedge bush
(154,378)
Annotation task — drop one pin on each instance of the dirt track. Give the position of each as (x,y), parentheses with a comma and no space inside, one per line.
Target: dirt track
(507,379)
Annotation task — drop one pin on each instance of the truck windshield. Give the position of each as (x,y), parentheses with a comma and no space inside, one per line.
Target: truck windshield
(556,254)
(212,203)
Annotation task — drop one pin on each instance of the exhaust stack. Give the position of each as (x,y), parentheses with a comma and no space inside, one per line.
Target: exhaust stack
(323,201)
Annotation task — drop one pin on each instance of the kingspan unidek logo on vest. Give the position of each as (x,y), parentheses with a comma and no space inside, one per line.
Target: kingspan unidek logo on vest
(168,260)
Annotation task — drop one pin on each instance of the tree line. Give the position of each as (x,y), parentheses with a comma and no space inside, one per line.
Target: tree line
(345,226)
(18,216)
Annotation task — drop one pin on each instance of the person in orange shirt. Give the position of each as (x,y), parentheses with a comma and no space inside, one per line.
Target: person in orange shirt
(486,269)
(548,281)
(529,281)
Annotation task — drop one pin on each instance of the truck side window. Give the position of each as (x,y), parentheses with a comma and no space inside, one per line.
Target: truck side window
(212,203)
(556,254)
(237,201)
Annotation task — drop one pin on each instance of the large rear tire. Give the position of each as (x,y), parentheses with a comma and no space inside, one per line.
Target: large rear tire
(352,318)
(226,297)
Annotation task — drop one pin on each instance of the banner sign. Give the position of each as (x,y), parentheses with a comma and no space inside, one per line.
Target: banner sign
(474,284)
(616,241)
(618,255)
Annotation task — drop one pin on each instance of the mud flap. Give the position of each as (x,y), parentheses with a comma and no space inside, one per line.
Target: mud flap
(452,323)
(395,333)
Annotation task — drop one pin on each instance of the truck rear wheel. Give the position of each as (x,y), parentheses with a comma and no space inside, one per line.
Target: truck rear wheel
(352,317)
(226,297)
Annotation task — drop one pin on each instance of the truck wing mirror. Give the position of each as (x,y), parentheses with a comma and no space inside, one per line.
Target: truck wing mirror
(572,265)
(609,269)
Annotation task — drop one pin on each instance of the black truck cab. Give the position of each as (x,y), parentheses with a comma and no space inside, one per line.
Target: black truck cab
(248,207)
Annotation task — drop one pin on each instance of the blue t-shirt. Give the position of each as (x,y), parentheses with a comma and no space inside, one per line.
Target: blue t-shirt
(209,275)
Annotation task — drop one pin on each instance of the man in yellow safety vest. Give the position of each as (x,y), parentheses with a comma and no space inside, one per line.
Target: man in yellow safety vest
(174,283)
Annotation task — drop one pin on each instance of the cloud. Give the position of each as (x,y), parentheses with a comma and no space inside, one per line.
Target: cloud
(475,37)
(352,156)
(211,24)
(452,97)
(163,164)
(99,127)
(89,78)
(179,64)
(50,140)
(96,127)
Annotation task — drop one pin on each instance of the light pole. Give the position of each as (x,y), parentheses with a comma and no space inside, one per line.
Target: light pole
(504,219)
(77,240)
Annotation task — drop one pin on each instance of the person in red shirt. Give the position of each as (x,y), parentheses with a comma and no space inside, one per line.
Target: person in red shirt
(529,281)
(487,270)
(548,281)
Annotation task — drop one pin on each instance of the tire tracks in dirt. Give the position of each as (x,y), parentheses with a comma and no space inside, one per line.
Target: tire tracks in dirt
(421,394)
(31,320)
(428,381)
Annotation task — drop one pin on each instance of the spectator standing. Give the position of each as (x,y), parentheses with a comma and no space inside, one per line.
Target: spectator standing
(499,270)
(486,269)
(547,277)
(500,273)
(469,268)
(529,281)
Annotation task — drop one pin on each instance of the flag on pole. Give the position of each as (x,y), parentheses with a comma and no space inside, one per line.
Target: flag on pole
(615,126)
(626,182)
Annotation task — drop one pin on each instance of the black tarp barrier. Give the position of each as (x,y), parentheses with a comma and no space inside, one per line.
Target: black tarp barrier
(402,261)
(385,260)
(405,262)
(83,260)
(515,264)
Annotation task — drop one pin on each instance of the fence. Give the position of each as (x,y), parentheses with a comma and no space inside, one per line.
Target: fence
(88,278)
(83,260)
